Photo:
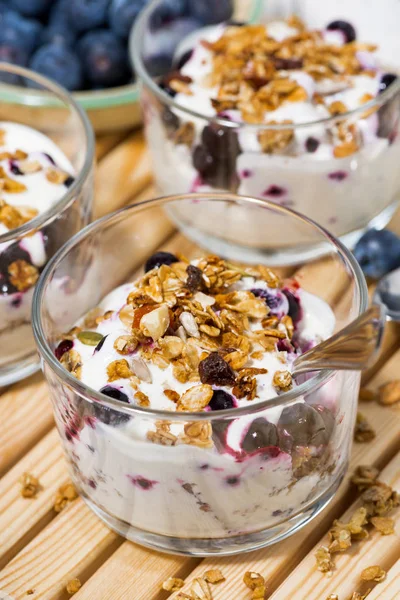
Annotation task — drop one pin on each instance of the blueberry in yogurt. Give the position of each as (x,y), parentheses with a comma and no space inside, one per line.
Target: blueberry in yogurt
(345,28)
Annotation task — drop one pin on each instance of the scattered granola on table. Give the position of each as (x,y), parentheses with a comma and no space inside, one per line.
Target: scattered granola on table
(363,431)
(173,584)
(374,573)
(73,586)
(390,393)
(65,494)
(30,486)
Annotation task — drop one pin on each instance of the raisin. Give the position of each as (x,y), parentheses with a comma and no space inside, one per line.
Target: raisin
(62,348)
(158,259)
(215,370)
(195,279)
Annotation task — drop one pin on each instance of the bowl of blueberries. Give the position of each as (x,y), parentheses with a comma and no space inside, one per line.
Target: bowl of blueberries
(83,46)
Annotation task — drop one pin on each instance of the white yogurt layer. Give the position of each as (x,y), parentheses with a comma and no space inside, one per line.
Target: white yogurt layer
(206,492)
(315,182)
(40,194)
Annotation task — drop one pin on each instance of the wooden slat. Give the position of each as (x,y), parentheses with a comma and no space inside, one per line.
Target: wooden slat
(306,581)
(25,417)
(141,573)
(276,562)
(73,545)
(107,142)
(21,518)
(122,174)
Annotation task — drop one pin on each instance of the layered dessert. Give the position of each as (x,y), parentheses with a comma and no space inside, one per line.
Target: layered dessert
(201,337)
(281,93)
(34,175)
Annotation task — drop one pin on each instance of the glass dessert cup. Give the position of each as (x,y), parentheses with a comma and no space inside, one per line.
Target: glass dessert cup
(346,194)
(67,137)
(189,498)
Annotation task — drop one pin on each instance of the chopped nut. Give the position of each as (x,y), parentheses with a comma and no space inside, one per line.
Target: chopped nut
(12,186)
(214,576)
(185,134)
(155,323)
(282,380)
(337,108)
(142,399)
(189,323)
(125,344)
(390,393)
(29,166)
(253,580)
(22,275)
(384,525)
(73,586)
(119,369)
(275,140)
(204,299)
(90,320)
(172,395)
(173,584)
(363,431)
(259,592)
(324,560)
(141,370)
(345,149)
(172,346)
(374,573)
(30,485)
(367,395)
(72,362)
(13,217)
(126,315)
(196,398)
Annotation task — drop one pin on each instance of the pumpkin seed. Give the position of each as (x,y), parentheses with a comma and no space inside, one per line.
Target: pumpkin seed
(90,338)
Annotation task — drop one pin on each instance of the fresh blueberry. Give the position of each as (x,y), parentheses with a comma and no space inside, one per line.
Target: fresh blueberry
(110,416)
(386,80)
(158,259)
(104,59)
(261,434)
(221,400)
(312,144)
(31,8)
(15,56)
(60,64)
(88,14)
(344,27)
(295,311)
(62,348)
(210,12)
(59,32)
(378,252)
(60,13)
(122,14)
(167,12)
(19,31)
(303,425)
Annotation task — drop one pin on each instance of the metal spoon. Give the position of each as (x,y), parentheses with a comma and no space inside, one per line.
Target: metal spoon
(388,293)
(351,349)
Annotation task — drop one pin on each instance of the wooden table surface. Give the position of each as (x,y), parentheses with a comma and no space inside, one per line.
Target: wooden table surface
(41,551)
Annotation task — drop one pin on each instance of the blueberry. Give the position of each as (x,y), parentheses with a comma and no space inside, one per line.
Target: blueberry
(107,415)
(62,348)
(19,31)
(215,158)
(386,80)
(167,12)
(295,311)
(378,252)
(60,64)
(60,13)
(221,142)
(344,27)
(261,434)
(15,56)
(275,301)
(87,14)
(221,400)
(312,144)
(205,163)
(210,12)
(104,59)
(59,32)
(31,8)
(122,14)
(164,42)
(303,425)
(158,259)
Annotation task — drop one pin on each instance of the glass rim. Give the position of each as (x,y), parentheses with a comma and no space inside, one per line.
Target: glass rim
(135,47)
(62,94)
(90,394)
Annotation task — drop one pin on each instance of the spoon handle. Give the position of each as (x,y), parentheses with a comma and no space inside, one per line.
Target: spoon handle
(351,349)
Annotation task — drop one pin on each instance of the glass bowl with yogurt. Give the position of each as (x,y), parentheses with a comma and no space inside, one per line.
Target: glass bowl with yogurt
(302,110)
(169,367)
(46,185)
